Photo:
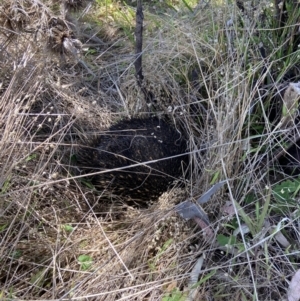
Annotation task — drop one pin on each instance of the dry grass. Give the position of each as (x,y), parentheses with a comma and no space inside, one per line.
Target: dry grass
(55,93)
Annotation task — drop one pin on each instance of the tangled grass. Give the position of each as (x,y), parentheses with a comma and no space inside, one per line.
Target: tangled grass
(67,74)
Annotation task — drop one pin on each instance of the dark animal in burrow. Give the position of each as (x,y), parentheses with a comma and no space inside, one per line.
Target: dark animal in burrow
(137,158)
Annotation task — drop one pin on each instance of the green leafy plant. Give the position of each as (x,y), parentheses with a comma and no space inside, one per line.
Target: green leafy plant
(38,277)
(175,295)
(85,262)
(286,190)
(153,261)
(6,185)
(31,157)
(17,254)
(68,228)
(224,240)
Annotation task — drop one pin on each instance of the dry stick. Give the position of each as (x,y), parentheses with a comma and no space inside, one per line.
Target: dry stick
(138,51)
(139,43)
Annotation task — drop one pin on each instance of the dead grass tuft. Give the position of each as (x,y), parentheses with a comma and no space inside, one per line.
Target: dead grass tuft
(64,79)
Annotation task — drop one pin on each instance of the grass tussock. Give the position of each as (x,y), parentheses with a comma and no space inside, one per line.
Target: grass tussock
(67,73)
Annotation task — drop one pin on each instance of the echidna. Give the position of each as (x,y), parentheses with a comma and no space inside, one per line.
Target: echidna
(154,149)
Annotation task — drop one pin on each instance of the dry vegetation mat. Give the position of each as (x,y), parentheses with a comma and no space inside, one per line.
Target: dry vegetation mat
(220,73)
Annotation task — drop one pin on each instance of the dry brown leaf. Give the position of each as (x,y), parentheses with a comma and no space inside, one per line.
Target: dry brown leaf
(170,288)
(294,288)
(228,209)
(282,240)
